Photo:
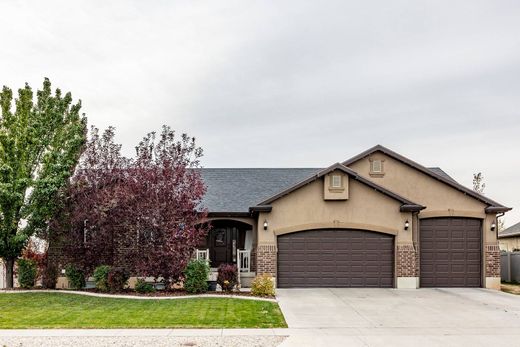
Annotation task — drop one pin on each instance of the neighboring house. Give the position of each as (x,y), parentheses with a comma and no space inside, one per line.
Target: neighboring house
(375,220)
(509,239)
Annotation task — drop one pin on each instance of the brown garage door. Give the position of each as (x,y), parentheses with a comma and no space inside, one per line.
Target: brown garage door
(450,251)
(335,258)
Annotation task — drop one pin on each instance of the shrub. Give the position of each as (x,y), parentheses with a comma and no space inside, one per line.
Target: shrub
(262,285)
(117,279)
(50,277)
(227,277)
(27,270)
(196,276)
(101,277)
(141,286)
(75,276)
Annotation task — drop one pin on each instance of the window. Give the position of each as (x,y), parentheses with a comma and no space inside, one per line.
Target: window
(336,181)
(377,167)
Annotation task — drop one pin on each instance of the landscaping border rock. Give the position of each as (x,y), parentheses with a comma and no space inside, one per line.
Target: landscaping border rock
(138,297)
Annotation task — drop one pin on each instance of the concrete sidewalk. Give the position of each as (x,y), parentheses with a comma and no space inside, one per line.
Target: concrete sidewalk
(141,332)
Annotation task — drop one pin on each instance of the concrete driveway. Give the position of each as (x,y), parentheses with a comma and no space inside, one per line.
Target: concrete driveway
(391,317)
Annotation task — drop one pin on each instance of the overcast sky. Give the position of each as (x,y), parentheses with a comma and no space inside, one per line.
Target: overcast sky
(289,83)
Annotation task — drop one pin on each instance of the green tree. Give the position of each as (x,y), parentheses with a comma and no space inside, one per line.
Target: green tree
(40,144)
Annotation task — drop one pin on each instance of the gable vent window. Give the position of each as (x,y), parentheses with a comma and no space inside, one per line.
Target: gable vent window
(376,167)
(336,181)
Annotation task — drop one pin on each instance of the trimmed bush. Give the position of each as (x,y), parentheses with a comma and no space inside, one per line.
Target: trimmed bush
(196,276)
(262,285)
(227,277)
(143,287)
(27,270)
(117,279)
(75,276)
(50,277)
(101,277)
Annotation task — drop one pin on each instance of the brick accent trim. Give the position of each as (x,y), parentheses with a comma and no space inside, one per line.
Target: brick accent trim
(266,259)
(406,261)
(492,259)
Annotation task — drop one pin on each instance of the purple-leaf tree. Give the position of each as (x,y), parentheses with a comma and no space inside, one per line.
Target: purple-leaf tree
(142,212)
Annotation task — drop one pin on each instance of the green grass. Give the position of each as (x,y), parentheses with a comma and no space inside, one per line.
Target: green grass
(54,310)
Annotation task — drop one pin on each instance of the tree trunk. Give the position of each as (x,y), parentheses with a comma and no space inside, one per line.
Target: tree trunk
(9,273)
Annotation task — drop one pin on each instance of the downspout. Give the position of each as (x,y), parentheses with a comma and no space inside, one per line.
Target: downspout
(498,215)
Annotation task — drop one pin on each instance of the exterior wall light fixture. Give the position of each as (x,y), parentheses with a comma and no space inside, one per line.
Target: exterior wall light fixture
(265,224)
(493,226)
(406,225)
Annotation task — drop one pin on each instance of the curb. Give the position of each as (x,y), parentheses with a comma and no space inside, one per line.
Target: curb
(135,297)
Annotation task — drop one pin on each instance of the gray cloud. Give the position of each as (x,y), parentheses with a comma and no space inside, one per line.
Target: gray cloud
(290,83)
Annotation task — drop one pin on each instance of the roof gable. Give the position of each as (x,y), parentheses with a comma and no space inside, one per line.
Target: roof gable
(434,173)
(407,205)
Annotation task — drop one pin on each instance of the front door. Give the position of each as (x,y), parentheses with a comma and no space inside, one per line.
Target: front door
(221,246)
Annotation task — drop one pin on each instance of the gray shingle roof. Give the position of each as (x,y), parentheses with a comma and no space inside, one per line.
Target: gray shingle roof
(237,189)
(511,231)
(441,172)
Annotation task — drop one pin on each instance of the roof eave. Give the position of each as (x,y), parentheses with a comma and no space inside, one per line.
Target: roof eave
(260,208)
(412,208)
(497,209)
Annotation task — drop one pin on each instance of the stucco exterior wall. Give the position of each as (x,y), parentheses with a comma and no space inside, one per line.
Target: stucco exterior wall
(305,209)
(439,198)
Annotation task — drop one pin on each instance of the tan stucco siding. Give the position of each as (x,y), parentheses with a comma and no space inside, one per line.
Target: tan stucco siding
(420,188)
(440,199)
(306,209)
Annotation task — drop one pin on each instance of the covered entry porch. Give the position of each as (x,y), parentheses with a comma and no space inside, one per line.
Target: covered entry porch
(230,241)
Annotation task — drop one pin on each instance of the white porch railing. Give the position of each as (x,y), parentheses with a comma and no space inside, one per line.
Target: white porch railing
(244,260)
(202,254)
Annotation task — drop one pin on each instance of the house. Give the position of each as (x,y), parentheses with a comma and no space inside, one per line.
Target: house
(375,220)
(509,239)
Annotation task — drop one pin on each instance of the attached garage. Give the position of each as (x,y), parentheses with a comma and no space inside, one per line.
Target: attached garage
(451,252)
(335,258)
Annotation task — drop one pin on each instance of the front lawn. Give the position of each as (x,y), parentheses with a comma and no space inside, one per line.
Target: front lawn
(55,310)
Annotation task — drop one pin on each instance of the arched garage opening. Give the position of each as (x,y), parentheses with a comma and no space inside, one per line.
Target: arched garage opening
(335,258)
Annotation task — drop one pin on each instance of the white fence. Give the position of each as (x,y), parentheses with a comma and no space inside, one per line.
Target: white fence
(2,275)
(202,254)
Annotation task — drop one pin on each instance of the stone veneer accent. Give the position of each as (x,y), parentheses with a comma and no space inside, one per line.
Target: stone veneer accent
(266,259)
(407,261)
(492,258)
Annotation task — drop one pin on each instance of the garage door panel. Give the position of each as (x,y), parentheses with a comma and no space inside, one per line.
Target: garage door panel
(335,258)
(450,252)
